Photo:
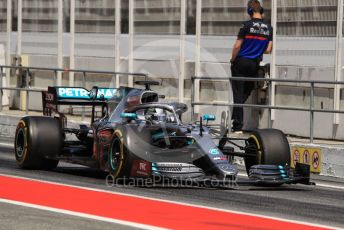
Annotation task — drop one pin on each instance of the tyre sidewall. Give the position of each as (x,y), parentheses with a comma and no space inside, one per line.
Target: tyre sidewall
(21,129)
(124,168)
(272,148)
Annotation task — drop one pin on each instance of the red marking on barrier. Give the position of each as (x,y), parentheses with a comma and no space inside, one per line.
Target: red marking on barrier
(315,160)
(296,157)
(133,209)
(255,37)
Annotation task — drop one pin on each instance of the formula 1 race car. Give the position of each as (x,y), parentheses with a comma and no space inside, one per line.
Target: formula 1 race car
(135,136)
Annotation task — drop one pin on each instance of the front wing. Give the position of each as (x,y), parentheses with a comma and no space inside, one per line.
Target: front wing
(259,175)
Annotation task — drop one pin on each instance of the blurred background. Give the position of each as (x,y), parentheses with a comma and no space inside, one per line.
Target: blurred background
(173,40)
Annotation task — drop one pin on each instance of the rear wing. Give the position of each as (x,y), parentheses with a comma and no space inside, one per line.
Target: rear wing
(56,96)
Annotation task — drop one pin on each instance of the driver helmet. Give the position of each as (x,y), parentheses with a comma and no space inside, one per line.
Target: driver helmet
(160,115)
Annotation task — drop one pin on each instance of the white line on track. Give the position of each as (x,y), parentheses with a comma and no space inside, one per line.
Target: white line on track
(6,144)
(329,186)
(83,215)
(175,202)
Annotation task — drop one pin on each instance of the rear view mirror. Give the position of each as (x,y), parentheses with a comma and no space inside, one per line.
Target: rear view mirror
(132,116)
(209,117)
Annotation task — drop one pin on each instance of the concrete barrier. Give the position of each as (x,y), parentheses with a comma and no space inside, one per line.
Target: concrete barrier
(8,125)
(330,157)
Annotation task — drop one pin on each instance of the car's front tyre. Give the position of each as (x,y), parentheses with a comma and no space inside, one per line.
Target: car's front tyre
(270,146)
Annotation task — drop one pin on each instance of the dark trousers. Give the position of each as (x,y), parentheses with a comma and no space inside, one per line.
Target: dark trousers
(242,67)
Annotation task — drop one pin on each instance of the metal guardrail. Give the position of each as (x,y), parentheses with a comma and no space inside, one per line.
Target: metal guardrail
(268,106)
(27,88)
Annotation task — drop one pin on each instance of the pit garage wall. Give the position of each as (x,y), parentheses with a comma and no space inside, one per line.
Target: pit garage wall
(159,56)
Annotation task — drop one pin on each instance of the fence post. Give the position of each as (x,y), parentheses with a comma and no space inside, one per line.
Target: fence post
(230,104)
(117,40)
(273,74)
(270,103)
(83,85)
(8,40)
(72,44)
(192,98)
(55,77)
(338,63)
(182,51)
(114,81)
(59,41)
(19,27)
(312,114)
(131,43)
(198,53)
(27,91)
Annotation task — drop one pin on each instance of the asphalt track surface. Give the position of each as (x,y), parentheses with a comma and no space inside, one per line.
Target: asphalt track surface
(322,205)
(18,217)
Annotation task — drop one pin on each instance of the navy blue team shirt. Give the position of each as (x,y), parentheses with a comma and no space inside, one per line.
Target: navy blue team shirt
(256,35)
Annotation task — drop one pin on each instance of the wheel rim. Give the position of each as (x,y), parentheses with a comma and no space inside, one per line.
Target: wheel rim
(115,155)
(20,143)
(253,140)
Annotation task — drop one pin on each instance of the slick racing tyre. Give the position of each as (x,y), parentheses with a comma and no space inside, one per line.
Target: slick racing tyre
(120,158)
(270,147)
(38,140)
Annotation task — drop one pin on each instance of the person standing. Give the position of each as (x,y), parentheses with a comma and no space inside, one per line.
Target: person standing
(254,39)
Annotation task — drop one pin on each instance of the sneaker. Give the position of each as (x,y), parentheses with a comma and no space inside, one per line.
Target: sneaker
(238,132)
(236,126)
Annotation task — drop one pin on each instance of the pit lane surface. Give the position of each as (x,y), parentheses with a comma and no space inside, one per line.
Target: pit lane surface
(316,205)
(19,217)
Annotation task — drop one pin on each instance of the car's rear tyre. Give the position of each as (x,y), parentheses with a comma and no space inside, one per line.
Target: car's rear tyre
(120,158)
(270,146)
(38,140)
